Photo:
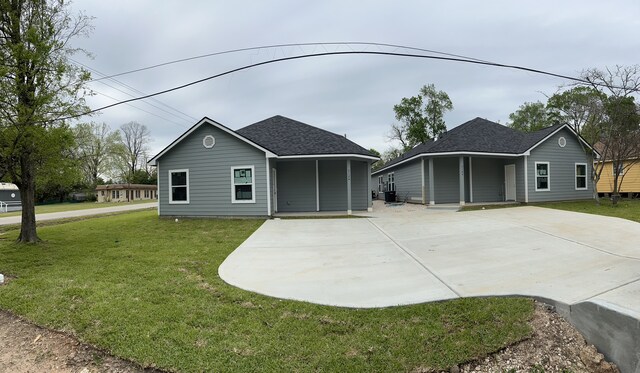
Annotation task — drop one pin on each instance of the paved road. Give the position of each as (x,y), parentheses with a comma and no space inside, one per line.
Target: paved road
(77,213)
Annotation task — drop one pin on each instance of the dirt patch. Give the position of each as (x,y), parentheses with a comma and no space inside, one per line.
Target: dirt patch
(25,347)
(555,346)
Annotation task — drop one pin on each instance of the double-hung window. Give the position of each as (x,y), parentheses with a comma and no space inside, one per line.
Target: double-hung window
(581,176)
(618,168)
(178,186)
(242,184)
(542,177)
(380,183)
(392,182)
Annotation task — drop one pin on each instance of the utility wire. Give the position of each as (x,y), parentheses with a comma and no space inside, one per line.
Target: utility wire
(313,55)
(346,43)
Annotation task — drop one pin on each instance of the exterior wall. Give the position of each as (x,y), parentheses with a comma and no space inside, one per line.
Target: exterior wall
(359,186)
(210,183)
(561,169)
(408,181)
(488,179)
(520,189)
(333,185)
(296,186)
(630,182)
(121,196)
(446,180)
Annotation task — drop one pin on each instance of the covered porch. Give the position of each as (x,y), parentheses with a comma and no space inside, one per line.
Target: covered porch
(322,184)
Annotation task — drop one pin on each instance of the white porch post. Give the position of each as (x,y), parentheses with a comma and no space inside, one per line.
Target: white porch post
(470,180)
(422,176)
(348,187)
(432,192)
(526,180)
(369,199)
(461,182)
(317,188)
(269,195)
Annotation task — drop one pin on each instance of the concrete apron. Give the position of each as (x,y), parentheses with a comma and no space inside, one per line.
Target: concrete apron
(587,265)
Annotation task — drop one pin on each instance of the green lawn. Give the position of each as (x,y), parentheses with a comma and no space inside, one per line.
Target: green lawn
(626,208)
(147,289)
(68,206)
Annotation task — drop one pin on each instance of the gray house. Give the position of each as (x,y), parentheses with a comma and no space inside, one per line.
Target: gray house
(275,165)
(483,161)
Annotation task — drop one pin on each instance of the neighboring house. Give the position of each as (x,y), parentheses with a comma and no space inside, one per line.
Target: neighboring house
(630,186)
(9,197)
(126,192)
(483,161)
(275,165)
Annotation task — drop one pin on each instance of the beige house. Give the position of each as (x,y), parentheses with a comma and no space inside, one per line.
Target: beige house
(126,192)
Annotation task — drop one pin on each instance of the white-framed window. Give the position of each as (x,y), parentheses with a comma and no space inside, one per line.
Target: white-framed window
(391,180)
(581,176)
(617,168)
(179,186)
(380,183)
(543,179)
(242,184)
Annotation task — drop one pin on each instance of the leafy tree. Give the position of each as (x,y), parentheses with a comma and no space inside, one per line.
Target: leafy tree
(97,147)
(144,177)
(134,146)
(581,107)
(421,117)
(531,117)
(38,87)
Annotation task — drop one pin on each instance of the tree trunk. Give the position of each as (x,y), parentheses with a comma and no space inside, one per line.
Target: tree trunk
(28,192)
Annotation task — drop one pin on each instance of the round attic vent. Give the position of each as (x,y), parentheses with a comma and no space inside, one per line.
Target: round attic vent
(208,141)
(562,142)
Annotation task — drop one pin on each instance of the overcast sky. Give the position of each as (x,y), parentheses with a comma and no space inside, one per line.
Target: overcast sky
(352,95)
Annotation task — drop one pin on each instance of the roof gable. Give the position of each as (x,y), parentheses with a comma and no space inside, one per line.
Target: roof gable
(288,137)
(211,122)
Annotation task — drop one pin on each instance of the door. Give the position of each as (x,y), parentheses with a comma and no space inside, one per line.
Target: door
(510,182)
(274,189)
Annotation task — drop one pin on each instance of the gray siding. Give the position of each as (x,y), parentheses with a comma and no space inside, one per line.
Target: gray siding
(210,175)
(446,180)
(561,169)
(488,179)
(408,181)
(333,185)
(296,186)
(359,185)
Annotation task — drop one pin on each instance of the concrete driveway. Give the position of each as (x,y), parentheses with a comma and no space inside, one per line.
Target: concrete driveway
(410,254)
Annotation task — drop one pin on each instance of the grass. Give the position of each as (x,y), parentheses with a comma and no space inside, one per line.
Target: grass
(147,289)
(68,206)
(625,209)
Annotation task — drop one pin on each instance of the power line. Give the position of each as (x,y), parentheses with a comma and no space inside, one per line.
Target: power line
(313,55)
(346,43)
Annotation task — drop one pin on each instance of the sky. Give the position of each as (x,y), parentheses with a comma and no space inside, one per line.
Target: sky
(351,95)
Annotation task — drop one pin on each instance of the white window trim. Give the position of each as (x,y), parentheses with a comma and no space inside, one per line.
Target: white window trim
(171,201)
(548,177)
(253,185)
(380,183)
(391,175)
(586,174)
(613,169)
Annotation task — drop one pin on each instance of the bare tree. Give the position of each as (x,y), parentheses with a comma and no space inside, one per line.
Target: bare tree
(618,131)
(96,147)
(135,143)
(399,133)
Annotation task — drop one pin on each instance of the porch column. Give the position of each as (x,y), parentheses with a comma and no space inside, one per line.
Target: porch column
(369,201)
(470,180)
(432,192)
(348,186)
(526,180)
(317,188)
(424,194)
(461,172)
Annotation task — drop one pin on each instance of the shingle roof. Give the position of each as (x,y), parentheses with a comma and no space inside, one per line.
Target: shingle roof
(479,136)
(284,136)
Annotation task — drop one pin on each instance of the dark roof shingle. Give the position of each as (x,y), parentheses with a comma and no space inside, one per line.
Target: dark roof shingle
(479,136)
(284,136)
